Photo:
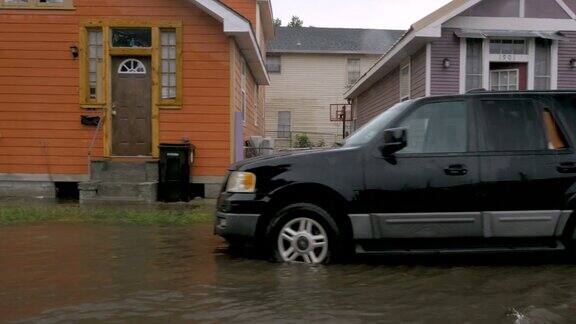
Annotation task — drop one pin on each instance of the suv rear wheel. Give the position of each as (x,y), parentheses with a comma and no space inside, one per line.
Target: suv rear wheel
(303,233)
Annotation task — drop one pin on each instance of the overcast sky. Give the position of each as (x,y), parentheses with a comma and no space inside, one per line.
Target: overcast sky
(380,14)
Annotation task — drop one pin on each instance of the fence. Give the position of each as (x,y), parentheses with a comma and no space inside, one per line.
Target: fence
(292,141)
(250,152)
(303,140)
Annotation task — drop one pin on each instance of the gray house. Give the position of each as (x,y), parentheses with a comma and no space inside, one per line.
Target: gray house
(473,44)
(310,69)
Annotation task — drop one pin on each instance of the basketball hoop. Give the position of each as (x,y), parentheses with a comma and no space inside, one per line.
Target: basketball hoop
(340,112)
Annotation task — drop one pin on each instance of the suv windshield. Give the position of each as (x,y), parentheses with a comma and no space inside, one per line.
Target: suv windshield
(367,132)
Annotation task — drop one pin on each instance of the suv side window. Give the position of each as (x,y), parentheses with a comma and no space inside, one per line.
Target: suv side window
(556,140)
(511,125)
(440,127)
(519,125)
(568,113)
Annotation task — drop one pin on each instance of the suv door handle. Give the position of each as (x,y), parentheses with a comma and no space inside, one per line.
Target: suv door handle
(456,170)
(567,167)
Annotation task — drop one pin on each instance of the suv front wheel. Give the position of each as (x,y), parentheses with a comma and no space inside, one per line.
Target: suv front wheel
(303,233)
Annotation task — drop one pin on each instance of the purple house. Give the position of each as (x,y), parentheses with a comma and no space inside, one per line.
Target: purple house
(473,44)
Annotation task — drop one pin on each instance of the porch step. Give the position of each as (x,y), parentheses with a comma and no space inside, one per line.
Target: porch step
(114,200)
(132,171)
(124,180)
(93,191)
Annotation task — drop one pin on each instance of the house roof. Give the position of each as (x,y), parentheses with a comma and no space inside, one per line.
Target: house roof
(237,26)
(333,40)
(420,33)
(429,26)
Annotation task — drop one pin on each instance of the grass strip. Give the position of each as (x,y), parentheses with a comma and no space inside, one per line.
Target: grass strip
(22,213)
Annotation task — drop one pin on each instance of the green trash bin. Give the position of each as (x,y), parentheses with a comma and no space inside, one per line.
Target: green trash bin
(175,162)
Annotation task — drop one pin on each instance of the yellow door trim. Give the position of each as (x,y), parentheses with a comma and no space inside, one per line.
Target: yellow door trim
(156,91)
(106,77)
(107,88)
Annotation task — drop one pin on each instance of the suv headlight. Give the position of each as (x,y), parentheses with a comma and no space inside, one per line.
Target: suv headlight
(241,182)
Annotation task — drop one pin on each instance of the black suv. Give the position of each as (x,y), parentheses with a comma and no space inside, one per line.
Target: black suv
(473,173)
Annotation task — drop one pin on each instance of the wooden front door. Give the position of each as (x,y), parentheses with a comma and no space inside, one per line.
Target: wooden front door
(131,106)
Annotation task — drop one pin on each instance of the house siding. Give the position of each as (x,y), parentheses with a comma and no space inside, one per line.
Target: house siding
(544,9)
(566,52)
(418,74)
(495,8)
(251,127)
(381,96)
(40,130)
(571,4)
(445,81)
(246,8)
(511,8)
(307,86)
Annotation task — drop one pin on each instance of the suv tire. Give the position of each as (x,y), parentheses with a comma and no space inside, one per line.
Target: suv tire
(304,233)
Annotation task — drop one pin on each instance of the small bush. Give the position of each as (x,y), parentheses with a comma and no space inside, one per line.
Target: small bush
(303,141)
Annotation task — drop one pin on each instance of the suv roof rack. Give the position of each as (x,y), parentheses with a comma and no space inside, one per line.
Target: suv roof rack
(479,90)
(563,91)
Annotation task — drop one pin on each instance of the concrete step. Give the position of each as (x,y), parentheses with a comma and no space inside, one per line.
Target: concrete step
(126,189)
(124,171)
(115,200)
(118,191)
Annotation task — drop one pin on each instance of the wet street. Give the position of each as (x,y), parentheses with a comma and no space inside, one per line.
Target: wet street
(51,273)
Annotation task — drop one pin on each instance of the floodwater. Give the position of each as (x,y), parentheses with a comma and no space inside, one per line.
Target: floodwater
(69,273)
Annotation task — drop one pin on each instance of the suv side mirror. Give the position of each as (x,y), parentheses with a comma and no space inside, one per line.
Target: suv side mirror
(395,139)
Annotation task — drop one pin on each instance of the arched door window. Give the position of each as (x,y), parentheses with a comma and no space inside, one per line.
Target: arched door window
(132,66)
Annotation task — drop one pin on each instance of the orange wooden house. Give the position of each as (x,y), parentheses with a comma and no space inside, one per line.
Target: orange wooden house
(153,72)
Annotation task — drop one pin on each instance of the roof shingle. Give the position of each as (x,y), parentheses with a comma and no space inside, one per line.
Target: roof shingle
(333,40)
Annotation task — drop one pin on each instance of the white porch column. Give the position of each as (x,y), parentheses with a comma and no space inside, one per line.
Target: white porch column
(531,63)
(486,64)
(554,67)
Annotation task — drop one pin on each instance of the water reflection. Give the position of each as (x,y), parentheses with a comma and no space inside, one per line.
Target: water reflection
(53,273)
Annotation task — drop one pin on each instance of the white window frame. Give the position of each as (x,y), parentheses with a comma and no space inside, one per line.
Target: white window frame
(552,77)
(94,56)
(525,40)
(289,131)
(463,62)
(279,57)
(137,67)
(349,82)
(508,71)
(167,35)
(409,83)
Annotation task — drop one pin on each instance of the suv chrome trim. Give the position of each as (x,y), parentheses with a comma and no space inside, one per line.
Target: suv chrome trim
(493,224)
(428,225)
(430,220)
(540,223)
(558,246)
